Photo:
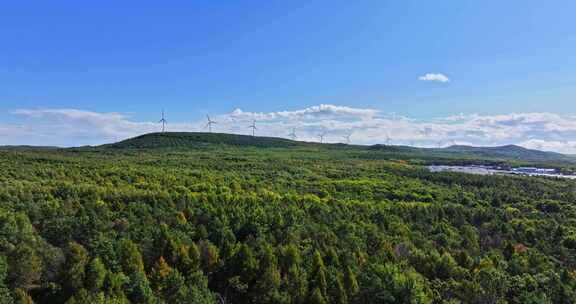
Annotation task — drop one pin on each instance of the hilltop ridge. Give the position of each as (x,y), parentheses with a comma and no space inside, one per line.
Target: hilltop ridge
(198,139)
(510,152)
(194,140)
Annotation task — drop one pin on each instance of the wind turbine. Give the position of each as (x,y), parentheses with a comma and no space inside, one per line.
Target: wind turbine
(163,122)
(388,139)
(253,127)
(426,132)
(321,136)
(347,137)
(293,134)
(209,124)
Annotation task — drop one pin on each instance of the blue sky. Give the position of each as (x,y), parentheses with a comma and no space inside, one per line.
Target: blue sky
(133,58)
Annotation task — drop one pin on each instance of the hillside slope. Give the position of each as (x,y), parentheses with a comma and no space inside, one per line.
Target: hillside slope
(511,152)
(508,150)
(195,140)
(504,153)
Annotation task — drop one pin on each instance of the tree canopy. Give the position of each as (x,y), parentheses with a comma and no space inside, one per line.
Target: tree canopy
(276,224)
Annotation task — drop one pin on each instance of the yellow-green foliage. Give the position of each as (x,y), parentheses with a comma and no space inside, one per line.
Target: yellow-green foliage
(275,222)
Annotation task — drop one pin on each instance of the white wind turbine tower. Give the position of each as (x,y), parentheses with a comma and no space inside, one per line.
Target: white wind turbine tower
(426,132)
(347,137)
(293,134)
(253,127)
(321,136)
(163,122)
(388,139)
(209,124)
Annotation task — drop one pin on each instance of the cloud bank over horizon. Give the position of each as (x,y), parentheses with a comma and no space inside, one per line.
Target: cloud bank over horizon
(75,127)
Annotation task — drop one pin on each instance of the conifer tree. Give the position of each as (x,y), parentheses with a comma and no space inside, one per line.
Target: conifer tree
(25,267)
(139,290)
(95,274)
(296,281)
(160,271)
(268,281)
(245,264)
(22,297)
(75,269)
(209,256)
(316,297)
(350,282)
(5,296)
(131,258)
(338,294)
(318,275)
(194,256)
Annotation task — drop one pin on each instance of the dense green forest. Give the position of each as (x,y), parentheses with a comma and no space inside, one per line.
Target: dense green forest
(207,221)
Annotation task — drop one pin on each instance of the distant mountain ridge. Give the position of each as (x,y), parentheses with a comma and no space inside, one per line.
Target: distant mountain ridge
(196,140)
(28,147)
(199,139)
(507,152)
(511,152)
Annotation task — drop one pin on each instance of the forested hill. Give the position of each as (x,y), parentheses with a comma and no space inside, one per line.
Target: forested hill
(195,140)
(510,152)
(26,148)
(192,140)
(294,224)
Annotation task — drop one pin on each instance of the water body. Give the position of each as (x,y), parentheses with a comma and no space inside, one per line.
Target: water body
(487,170)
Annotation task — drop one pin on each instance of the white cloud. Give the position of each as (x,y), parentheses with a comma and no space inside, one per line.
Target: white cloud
(314,112)
(73,127)
(434,77)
